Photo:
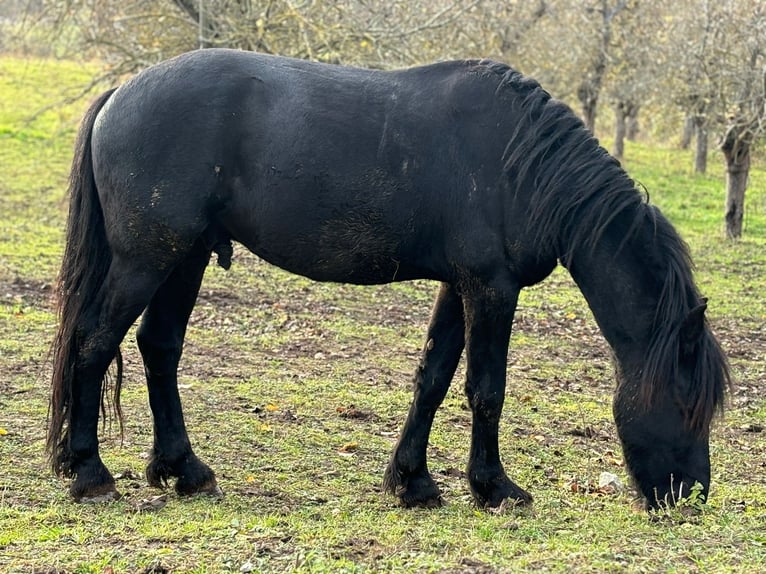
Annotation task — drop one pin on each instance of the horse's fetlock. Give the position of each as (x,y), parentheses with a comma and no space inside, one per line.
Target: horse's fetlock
(158,473)
(62,463)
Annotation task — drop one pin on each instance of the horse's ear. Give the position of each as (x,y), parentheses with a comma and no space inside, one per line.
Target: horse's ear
(693,327)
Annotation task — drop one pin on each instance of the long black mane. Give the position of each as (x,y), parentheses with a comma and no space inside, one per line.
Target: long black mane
(577,190)
(711,377)
(577,187)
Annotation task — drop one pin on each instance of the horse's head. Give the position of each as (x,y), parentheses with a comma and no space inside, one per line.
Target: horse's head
(663,408)
(664,457)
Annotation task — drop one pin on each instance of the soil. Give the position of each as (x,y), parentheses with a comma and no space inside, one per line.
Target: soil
(306,318)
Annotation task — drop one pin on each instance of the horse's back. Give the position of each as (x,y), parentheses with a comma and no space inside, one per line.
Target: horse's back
(332,172)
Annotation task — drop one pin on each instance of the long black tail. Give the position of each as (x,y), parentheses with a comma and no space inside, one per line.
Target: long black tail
(87,257)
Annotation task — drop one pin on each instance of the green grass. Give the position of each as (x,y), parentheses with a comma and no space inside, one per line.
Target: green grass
(37,137)
(274,364)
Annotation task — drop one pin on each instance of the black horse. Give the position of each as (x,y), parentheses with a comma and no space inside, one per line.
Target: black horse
(464,172)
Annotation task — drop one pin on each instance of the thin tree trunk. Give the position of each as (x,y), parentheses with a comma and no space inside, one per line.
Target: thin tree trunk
(736,185)
(198,12)
(737,155)
(700,156)
(588,96)
(632,123)
(688,133)
(205,31)
(590,87)
(620,130)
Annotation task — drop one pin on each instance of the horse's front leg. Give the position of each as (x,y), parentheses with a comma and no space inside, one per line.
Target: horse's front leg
(160,339)
(488,316)
(407,474)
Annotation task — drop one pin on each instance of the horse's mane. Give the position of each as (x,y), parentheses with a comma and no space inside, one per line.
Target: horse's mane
(577,190)
(667,349)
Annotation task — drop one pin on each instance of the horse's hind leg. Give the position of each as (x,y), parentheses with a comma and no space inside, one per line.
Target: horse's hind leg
(407,474)
(120,301)
(160,338)
(489,315)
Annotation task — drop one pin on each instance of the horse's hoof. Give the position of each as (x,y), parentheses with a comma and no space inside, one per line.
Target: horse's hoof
(419,501)
(94,495)
(416,491)
(500,492)
(93,484)
(99,498)
(194,477)
(212,491)
(210,488)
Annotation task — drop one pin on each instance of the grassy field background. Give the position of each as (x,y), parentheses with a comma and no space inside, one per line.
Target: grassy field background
(295,391)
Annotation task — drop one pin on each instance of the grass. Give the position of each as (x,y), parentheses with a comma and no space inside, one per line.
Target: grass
(295,391)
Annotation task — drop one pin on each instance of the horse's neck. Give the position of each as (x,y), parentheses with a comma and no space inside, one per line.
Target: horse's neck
(621,293)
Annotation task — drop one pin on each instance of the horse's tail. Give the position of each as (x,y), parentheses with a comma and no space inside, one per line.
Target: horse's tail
(86,260)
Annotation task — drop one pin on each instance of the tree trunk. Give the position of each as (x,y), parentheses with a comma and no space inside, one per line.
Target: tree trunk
(197,11)
(590,87)
(700,156)
(626,126)
(205,31)
(588,96)
(632,123)
(620,130)
(737,154)
(688,133)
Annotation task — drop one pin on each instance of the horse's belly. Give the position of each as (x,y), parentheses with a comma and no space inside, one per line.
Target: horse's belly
(347,249)
(342,269)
